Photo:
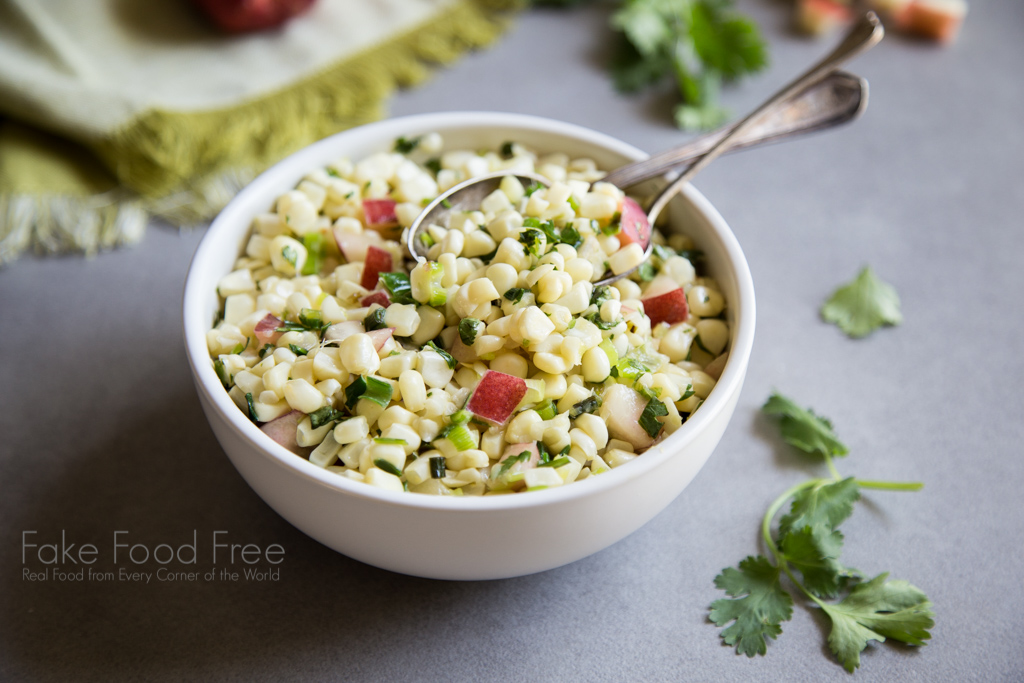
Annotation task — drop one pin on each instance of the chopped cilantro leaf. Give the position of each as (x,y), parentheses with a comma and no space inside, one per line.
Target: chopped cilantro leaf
(398,286)
(324,416)
(374,320)
(515,295)
(654,409)
(448,358)
(406,145)
(469,328)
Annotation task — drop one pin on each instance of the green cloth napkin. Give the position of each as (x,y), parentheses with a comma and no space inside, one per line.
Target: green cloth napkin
(112,111)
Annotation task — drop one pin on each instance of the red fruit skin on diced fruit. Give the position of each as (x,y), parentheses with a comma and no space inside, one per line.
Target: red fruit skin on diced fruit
(497,396)
(380,337)
(377,261)
(821,16)
(670,307)
(379,213)
(379,298)
(241,16)
(635,227)
(283,430)
(938,21)
(354,247)
(266,330)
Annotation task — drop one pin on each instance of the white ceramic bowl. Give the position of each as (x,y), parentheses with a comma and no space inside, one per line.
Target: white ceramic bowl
(464,537)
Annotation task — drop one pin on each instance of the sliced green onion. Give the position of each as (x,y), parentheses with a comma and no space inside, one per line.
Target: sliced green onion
(437,467)
(314,243)
(587,405)
(446,204)
(461,437)
(547,410)
(610,351)
(434,164)
(556,463)
(252,407)
(688,393)
(239,348)
(390,441)
(461,417)
(222,373)
(574,203)
(290,255)
(630,368)
(506,150)
(646,272)
(298,350)
(387,466)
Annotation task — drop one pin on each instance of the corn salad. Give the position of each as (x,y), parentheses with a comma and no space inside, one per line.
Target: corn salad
(496,366)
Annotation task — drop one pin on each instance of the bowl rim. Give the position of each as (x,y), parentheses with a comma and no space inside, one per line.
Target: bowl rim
(207,382)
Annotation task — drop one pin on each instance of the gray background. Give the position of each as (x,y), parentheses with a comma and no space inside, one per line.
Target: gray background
(103,431)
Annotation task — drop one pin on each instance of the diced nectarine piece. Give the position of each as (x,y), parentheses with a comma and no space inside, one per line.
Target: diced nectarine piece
(377,261)
(621,410)
(818,17)
(283,430)
(496,396)
(670,307)
(266,330)
(635,226)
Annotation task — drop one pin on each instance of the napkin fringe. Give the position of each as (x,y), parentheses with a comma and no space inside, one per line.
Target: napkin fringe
(52,224)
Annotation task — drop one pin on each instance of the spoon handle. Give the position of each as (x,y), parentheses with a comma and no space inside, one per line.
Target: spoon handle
(865,34)
(840,97)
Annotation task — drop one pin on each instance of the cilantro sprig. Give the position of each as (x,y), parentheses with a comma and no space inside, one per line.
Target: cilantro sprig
(700,44)
(806,549)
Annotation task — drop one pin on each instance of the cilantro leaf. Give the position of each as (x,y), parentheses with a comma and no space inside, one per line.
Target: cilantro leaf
(814,551)
(648,418)
(828,504)
(862,306)
(758,615)
(876,610)
(802,428)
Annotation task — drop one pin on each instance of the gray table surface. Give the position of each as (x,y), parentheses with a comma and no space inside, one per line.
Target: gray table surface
(103,430)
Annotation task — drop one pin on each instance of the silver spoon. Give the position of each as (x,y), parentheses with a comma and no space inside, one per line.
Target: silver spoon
(807,103)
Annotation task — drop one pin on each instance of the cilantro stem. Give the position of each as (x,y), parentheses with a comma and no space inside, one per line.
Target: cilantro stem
(773,509)
(832,467)
(889,485)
